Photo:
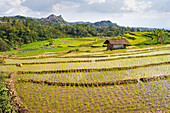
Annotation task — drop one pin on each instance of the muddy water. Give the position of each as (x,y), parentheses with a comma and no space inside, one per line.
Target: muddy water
(142,97)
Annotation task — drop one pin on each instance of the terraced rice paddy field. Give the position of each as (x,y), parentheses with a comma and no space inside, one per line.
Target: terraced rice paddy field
(132,80)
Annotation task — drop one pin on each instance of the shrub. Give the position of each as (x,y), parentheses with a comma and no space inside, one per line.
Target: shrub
(5,106)
(51,42)
(76,50)
(88,51)
(1,60)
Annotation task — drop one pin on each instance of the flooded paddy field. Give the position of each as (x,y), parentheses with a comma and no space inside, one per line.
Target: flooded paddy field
(141,97)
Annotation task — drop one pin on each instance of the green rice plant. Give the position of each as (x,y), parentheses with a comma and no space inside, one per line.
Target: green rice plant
(24,95)
(69,99)
(99,45)
(57,101)
(96,65)
(93,77)
(120,97)
(88,95)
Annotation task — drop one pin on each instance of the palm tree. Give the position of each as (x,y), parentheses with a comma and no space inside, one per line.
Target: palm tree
(160,35)
(156,33)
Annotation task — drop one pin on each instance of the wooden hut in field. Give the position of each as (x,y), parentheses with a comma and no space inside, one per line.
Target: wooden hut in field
(113,44)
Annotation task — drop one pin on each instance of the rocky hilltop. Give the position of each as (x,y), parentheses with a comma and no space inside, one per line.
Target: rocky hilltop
(59,20)
(55,20)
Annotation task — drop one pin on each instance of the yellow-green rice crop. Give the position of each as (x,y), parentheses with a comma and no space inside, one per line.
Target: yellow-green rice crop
(101,76)
(141,97)
(120,63)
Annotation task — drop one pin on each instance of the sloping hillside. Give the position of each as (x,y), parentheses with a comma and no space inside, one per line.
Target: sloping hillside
(144,38)
(136,37)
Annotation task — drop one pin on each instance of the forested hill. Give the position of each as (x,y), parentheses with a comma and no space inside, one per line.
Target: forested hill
(19,30)
(55,20)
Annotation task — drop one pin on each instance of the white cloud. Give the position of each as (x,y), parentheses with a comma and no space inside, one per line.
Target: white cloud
(58,7)
(14,2)
(133,5)
(96,1)
(66,6)
(21,10)
(14,7)
(144,19)
(23,1)
(124,12)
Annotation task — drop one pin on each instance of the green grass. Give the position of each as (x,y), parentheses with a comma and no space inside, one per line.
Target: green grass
(77,42)
(40,43)
(40,51)
(60,44)
(66,44)
(71,43)
(34,44)
(100,44)
(34,51)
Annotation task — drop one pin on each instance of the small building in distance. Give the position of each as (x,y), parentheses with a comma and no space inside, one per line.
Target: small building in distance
(113,44)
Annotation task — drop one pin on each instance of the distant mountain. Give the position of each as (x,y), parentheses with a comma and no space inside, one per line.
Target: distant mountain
(55,20)
(98,24)
(59,20)
(105,23)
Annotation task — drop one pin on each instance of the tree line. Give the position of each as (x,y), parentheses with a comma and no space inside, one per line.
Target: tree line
(160,35)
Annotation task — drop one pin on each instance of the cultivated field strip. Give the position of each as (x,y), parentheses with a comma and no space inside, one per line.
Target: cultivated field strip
(104,65)
(142,97)
(96,54)
(106,54)
(98,77)
(137,80)
(66,60)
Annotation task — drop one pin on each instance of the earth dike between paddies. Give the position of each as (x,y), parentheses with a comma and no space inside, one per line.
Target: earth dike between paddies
(16,101)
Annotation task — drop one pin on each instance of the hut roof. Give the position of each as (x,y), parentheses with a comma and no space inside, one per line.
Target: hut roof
(117,41)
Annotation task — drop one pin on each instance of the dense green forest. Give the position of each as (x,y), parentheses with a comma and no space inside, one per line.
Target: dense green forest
(16,32)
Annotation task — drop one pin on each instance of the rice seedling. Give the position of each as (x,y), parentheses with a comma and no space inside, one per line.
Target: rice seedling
(135,81)
(101,76)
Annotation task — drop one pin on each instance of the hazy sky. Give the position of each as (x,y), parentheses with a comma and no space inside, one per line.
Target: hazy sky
(141,13)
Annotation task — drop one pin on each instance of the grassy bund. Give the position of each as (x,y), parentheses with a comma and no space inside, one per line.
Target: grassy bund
(81,78)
